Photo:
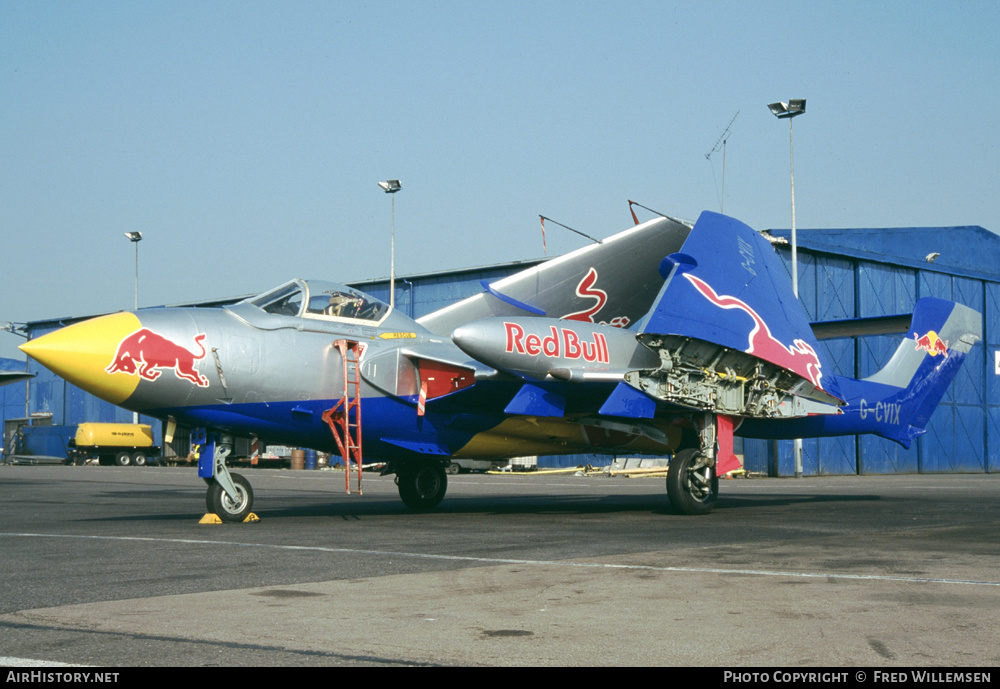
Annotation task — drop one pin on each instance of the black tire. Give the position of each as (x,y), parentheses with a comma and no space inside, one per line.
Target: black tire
(422,487)
(139,459)
(123,459)
(454,468)
(219,503)
(691,491)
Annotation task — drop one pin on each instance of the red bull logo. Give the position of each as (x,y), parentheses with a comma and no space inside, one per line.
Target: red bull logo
(800,357)
(587,289)
(931,343)
(144,353)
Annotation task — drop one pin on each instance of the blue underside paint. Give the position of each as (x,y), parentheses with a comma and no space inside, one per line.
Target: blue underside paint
(391,427)
(628,402)
(536,400)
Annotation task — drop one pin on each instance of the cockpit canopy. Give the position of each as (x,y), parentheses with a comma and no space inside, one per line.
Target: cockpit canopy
(322,300)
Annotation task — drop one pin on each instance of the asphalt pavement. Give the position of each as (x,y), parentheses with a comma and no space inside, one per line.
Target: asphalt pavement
(110,567)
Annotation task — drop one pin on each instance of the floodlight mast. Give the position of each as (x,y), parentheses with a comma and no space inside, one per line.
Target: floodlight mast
(391,186)
(790,110)
(135,238)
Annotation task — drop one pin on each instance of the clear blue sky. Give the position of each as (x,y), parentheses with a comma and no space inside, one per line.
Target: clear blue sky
(245,139)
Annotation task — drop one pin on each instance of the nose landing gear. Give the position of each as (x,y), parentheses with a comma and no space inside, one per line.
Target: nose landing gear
(229,496)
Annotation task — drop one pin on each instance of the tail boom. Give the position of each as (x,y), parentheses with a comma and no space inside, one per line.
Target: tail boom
(897,402)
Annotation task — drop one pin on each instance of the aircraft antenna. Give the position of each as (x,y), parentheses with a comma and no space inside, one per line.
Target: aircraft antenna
(721,143)
(596,241)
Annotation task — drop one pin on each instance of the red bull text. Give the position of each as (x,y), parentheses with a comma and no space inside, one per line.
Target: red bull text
(560,343)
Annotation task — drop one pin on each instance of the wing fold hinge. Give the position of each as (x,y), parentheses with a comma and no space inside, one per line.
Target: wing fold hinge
(709,377)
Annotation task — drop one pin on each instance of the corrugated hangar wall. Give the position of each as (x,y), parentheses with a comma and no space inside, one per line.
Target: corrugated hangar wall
(964,432)
(842,274)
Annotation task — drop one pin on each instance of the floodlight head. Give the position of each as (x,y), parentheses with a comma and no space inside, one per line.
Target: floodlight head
(134,236)
(390,186)
(795,106)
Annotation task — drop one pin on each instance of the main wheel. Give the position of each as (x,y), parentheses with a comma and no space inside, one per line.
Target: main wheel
(422,487)
(692,489)
(228,510)
(123,459)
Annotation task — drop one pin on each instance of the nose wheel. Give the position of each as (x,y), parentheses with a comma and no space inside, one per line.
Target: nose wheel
(227,507)
(229,496)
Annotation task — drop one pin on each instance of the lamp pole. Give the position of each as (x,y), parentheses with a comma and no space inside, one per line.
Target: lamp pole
(789,111)
(135,238)
(391,186)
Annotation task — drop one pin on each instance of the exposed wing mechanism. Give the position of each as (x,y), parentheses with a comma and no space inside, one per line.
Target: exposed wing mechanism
(730,335)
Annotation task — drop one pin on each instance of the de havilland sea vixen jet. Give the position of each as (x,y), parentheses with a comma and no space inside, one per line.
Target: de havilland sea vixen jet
(665,339)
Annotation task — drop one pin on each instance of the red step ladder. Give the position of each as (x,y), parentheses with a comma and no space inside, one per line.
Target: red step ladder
(344,418)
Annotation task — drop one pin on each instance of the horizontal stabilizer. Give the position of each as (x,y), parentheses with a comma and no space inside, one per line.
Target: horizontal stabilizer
(860,327)
(8,377)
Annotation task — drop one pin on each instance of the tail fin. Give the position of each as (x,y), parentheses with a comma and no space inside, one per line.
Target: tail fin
(613,282)
(915,379)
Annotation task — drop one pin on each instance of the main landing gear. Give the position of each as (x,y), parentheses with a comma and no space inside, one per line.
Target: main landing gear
(422,485)
(692,477)
(692,484)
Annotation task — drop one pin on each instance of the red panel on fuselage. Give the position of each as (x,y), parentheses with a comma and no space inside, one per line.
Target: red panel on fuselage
(443,379)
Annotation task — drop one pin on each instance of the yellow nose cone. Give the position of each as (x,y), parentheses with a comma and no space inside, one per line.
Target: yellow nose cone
(81,353)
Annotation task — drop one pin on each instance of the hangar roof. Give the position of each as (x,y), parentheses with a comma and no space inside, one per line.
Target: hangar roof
(970,251)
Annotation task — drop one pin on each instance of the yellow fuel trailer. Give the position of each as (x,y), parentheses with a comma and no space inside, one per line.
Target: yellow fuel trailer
(123,444)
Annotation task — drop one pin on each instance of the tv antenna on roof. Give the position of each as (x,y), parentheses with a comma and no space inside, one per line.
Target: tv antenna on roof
(721,143)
